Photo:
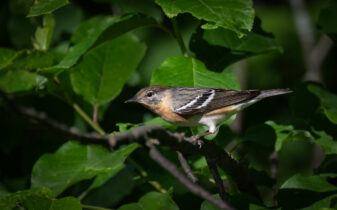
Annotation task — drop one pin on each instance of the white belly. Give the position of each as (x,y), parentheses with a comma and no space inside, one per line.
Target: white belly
(209,121)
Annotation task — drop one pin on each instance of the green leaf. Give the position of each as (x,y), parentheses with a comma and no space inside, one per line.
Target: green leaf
(38,198)
(97,30)
(33,60)
(206,205)
(74,162)
(252,43)
(41,7)
(326,20)
(43,35)
(142,7)
(152,201)
(312,183)
(131,206)
(220,47)
(326,142)
(7,56)
(328,102)
(191,73)
(66,203)
(160,121)
(322,204)
(101,75)
(16,81)
(117,188)
(121,153)
(26,197)
(237,16)
(282,132)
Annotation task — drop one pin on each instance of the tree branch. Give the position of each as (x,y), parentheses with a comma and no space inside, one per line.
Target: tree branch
(172,169)
(41,117)
(215,173)
(231,167)
(186,167)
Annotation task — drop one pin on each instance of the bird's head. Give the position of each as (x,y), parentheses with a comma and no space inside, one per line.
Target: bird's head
(150,96)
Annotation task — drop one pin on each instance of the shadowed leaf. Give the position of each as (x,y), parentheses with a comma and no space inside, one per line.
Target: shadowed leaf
(152,201)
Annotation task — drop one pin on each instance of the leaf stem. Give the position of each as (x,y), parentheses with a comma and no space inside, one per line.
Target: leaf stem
(178,36)
(156,185)
(94,125)
(94,207)
(94,115)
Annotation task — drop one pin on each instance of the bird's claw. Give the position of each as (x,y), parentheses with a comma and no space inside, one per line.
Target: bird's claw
(195,140)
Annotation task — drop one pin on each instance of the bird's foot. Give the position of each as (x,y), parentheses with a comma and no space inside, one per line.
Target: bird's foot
(195,140)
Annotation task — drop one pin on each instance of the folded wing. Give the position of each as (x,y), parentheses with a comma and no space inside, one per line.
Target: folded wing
(189,101)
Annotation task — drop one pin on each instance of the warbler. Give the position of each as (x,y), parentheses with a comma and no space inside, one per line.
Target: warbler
(196,106)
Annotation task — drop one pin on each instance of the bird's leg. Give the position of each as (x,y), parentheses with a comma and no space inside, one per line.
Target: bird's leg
(196,138)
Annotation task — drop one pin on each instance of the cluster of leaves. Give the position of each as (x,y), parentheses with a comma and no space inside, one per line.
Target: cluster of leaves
(86,63)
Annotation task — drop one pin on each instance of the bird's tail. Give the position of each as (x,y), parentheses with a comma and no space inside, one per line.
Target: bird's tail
(273,92)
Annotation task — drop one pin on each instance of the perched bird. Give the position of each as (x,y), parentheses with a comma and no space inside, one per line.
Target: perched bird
(195,106)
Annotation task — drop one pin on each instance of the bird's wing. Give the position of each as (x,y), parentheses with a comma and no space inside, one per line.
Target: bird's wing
(188,101)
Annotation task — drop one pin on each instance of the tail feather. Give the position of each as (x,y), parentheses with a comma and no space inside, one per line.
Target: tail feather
(273,92)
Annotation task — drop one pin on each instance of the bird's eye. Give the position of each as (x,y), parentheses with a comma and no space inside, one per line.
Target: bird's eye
(149,94)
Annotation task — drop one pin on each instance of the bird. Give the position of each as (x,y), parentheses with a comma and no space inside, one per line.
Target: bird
(199,106)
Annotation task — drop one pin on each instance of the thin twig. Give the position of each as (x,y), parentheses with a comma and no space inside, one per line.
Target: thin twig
(45,120)
(94,207)
(94,125)
(95,114)
(215,173)
(196,189)
(186,167)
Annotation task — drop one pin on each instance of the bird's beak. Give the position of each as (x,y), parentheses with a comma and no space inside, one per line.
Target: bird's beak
(134,99)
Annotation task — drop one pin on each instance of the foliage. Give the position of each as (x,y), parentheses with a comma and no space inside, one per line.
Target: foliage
(78,61)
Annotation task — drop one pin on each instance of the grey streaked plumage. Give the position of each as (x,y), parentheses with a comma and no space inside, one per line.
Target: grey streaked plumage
(222,98)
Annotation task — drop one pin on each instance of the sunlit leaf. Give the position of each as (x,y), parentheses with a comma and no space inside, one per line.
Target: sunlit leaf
(206,205)
(74,162)
(281,131)
(38,198)
(182,71)
(97,30)
(220,47)
(7,56)
(326,142)
(122,153)
(328,102)
(41,7)
(43,35)
(33,60)
(101,75)
(17,81)
(237,16)
(312,183)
